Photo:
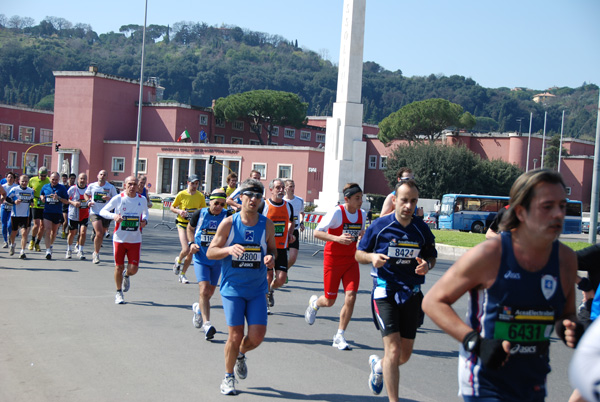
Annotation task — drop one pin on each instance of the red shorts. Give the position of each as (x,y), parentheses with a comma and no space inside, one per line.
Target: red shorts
(346,272)
(132,250)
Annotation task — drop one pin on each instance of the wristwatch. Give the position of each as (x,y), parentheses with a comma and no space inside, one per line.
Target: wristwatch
(190,243)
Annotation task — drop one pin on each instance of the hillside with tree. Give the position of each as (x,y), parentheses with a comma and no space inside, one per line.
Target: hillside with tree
(197,64)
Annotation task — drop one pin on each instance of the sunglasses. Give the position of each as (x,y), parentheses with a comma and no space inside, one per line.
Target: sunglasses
(252,194)
(220,204)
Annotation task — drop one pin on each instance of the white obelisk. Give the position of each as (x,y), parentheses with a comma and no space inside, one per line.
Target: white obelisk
(345,150)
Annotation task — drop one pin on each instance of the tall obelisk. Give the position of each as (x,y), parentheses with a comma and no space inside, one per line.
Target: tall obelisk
(345,150)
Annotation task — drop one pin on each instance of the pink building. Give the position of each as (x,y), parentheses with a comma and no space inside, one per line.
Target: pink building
(22,132)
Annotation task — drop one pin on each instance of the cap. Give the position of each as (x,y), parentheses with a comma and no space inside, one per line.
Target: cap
(43,170)
(193,178)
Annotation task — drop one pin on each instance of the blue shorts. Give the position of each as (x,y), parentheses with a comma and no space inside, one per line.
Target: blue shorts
(208,273)
(254,311)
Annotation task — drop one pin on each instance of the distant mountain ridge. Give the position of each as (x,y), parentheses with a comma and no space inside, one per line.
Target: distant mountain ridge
(197,63)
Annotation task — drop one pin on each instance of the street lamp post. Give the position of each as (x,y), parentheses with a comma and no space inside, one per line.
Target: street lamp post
(534,162)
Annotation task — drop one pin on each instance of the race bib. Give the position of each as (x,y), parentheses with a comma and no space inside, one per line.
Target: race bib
(51,200)
(403,251)
(98,197)
(279,228)
(251,258)
(130,223)
(7,207)
(84,204)
(353,229)
(207,236)
(25,197)
(528,330)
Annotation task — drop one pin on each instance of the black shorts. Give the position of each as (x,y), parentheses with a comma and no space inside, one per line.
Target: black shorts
(391,317)
(73,225)
(105,222)
(17,222)
(65,208)
(37,213)
(296,243)
(281,262)
(55,218)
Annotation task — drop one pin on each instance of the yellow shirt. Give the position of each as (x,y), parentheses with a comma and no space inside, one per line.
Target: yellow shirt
(189,203)
(36,184)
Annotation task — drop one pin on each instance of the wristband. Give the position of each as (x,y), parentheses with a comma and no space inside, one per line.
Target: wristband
(490,351)
(190,243)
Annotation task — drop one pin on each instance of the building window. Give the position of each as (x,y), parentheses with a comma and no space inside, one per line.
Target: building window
(203,120)
(305,135)
(262,168)
(219,139)
(48,161)
(275,131)
(220,122)
(383,162)
(254,142)
(273,143)
(26,134)
(237,125)
(118,164)
(31,164)
(142,163)
(6,132)
(118,185)
(45,135)
(320,137)
(372,161)
(289,133)
(284,171)
(237,140)
(12,160)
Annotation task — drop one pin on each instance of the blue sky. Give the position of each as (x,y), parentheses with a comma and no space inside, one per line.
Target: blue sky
(528,43)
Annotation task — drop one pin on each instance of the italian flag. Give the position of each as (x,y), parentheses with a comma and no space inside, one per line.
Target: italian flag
(184,136)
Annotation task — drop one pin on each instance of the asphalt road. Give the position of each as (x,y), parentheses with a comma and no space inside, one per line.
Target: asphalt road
(62,338)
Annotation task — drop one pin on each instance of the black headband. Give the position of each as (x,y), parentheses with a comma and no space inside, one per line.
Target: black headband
(349,192)
(255,189)
(214,196)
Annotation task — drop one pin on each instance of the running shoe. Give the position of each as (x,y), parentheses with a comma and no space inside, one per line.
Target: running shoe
(177,266)
(37,247)
(125,283)
(63,235)
(81,255)
(22,255)
(95,258)
(48,254)
(340,342)
(228,385)
(197,319)
(11,250)
(311,312)
(268,310)
(241,369)
(68,255)
(183,279)
(375,378)
(31,245)
(107,234)
(209,333)
(5,245)
(119,297)
(270,298)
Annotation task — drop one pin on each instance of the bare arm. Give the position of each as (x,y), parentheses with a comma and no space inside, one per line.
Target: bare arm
(388,205)
(568,278)
(344,239)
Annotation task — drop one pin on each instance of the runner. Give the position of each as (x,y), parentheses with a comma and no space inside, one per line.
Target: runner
(231,185)
(97,195)
(340,228)
(53,195)
(185,204)
(20,198)
(72,178)
(130,216)
(6,208)
(233,200)
(79,213)
(37,212)
(200,231)
(246,244)
(142,190)
(401,250)
(298,205)
(281,213)
(404,173)
(521,286)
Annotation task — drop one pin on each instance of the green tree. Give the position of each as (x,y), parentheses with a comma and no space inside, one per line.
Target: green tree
(264,108)
(442,169)
(424,118)
(551,155)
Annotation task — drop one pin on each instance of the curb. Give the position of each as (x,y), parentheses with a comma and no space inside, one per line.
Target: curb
(450,251)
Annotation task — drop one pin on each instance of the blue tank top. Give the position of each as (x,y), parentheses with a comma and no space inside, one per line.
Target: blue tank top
(520,307)
(245,276)
(206,228)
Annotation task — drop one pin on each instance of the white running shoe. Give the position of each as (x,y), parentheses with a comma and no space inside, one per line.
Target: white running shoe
(241,369)
(311,312)
(183,279)
(95,258)
(119,298)
(81,255)
(209,333)
(270,298)
(125,284)
(5,245)
(177,266)
(11,250)
(197,319)
(107,234)
(68,255)
(375,378)
(340,343)
(228,386)
(48,254)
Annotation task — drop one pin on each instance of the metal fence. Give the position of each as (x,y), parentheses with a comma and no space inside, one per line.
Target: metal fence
(167,216)
(310,223)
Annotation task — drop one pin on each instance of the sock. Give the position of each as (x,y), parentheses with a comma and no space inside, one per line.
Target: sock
(207,324)
(340,332)
(241,355)
(68,248)
(378,368)
(38,240)
(314,305)
(229,375)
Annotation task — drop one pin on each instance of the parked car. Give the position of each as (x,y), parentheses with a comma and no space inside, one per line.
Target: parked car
(585,227)
(155,198)
(431,219)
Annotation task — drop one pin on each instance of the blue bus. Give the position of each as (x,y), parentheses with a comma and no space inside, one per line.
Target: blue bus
(471,212)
